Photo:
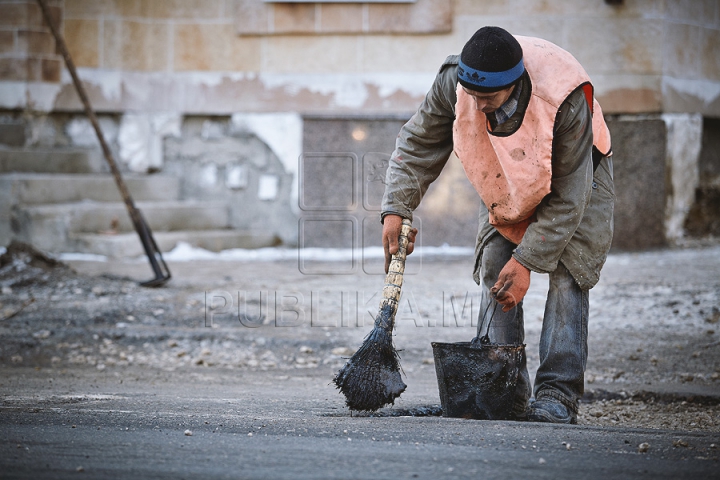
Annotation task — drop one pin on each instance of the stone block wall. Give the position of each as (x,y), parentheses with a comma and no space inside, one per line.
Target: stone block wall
(218,160)
(703,219)
(265,61)
(27,49)
(224,56)
(639,148)
(343,178)
(421,16)
(654,194)
(691,66)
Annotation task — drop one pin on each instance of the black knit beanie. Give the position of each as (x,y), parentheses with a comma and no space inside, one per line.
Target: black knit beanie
(490,61)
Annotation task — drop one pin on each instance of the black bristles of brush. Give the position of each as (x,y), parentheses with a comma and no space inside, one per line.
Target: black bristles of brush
(371,378)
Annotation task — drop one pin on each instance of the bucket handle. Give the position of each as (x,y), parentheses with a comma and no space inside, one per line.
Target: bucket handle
(485,339)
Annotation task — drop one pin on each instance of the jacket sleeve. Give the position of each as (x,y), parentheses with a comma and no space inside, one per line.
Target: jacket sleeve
(423,146)
(560,212)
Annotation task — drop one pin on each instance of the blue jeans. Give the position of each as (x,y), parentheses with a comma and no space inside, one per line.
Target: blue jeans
(563,340)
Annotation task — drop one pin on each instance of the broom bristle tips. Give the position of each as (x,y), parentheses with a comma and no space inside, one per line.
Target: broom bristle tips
(371,378)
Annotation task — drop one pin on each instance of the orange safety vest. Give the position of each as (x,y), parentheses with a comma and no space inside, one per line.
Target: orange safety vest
(513,173)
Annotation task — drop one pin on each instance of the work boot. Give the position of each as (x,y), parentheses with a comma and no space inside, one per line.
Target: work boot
(549,411)
(520,415)
(520,412)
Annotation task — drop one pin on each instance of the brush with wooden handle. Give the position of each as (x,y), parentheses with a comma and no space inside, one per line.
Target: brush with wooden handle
(371,378)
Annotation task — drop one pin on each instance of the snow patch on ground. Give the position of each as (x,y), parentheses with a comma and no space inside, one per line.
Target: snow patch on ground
(81,257)
(184,252)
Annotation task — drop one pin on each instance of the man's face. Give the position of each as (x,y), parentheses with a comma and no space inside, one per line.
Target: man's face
(489,102)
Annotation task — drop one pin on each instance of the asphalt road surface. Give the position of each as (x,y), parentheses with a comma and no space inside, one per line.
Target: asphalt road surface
(101,378)
(142,424)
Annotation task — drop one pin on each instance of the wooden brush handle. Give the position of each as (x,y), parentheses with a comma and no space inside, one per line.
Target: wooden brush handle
(394,277)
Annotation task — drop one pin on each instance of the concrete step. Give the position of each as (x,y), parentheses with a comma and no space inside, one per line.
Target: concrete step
(126,245)
(97,217)
(47,188)
(49,227)
(57,160)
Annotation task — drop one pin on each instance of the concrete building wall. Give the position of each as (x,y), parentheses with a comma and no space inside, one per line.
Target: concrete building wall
(164,63)
(704,216)
(225,56)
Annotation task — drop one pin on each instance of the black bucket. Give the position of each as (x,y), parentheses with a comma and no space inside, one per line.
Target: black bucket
(478,379)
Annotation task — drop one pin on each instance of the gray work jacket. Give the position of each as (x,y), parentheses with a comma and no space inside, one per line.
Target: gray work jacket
(574,221)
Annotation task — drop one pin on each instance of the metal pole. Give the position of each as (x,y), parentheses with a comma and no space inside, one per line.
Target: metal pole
(162,273)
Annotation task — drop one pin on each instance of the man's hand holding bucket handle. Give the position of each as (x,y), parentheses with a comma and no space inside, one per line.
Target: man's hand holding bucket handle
(513,281)
(512,284)
(392,224)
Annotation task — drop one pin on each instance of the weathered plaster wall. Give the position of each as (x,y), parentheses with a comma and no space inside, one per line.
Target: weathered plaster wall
(149,65)
(227,56)
(683,137)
